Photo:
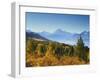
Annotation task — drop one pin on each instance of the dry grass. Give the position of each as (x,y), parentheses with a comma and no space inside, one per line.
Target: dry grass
(51,60)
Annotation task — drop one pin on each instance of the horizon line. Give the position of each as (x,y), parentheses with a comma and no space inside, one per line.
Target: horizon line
(56,30)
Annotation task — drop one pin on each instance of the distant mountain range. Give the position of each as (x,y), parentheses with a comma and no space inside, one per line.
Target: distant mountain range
(30,34)
(61,36)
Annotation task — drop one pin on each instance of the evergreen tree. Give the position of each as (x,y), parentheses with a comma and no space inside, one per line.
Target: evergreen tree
(71,51)
(80,48)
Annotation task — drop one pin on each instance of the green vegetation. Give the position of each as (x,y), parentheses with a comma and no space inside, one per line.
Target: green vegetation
(48,53)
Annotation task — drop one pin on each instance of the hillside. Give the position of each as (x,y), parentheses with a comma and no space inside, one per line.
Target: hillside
(50,53)
(30,34)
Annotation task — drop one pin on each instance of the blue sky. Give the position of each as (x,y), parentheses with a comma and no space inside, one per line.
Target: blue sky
(50,22)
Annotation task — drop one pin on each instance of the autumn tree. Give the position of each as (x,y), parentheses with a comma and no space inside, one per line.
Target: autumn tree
(50,49)
(41,49)
(29,45)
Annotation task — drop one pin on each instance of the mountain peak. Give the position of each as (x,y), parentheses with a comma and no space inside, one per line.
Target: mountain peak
(44,32)
(28,30)
(34,35)
(85,32)
(59,30)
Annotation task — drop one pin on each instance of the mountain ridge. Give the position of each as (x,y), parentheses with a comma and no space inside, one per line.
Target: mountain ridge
(34,35)
(65,37)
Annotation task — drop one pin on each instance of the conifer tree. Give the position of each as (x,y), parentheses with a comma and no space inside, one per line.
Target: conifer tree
(80,48)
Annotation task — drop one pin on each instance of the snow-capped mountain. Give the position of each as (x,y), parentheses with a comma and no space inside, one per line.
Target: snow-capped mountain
(66,37)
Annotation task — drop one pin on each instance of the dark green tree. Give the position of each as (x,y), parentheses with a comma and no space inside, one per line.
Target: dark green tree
(71,51)
(80,48)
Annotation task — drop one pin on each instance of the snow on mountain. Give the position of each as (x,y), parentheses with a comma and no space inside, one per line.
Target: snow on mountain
(66,37)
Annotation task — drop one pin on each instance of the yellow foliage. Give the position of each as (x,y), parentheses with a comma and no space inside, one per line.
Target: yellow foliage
(50,60)
(66,60)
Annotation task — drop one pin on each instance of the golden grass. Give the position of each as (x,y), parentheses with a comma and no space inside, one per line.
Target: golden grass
(32,60)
